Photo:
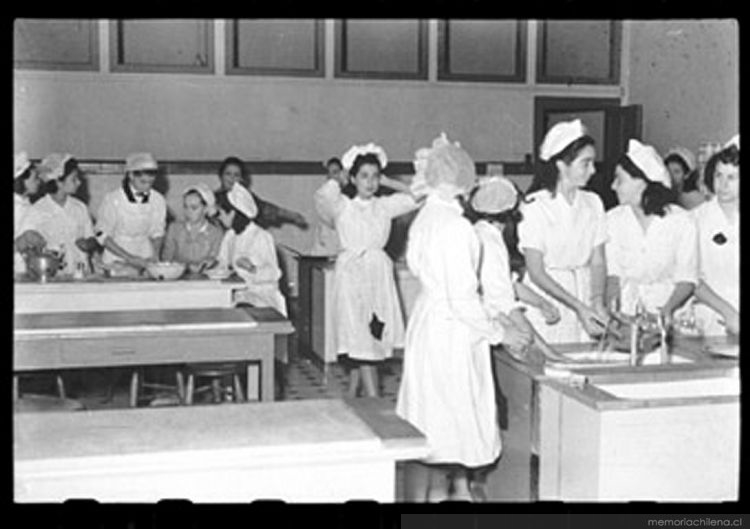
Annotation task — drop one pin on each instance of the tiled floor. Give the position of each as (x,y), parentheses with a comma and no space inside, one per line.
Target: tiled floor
(303,379)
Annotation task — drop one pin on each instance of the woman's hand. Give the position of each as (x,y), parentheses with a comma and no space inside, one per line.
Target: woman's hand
(732,322)
(246,264)
(30,240)
(592,321)
(300,221)
(550,312)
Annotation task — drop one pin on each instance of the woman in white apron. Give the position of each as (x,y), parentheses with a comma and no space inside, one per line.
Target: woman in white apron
(562,237)
(447,389)
(652,247)
(62,220)
(25,185)
(132,219)
(250,251)
(718,291)
(368,318)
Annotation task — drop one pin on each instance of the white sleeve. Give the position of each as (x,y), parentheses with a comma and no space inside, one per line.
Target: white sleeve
(600,229)
(158,218)
(531,229)
(224,250)
(86,227)
(262,254)
(33,220)
(329,201)
(613,255)
(106,220)
(686,265)
(398,204)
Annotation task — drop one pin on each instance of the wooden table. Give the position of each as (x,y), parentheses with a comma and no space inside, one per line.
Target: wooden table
(101,294)
(51,341)
(300,451)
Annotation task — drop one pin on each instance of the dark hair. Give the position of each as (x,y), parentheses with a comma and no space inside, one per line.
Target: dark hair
(334,160)
(509,218)
(19,182)
(546,175)
(52,186)
(730,155)
(656,197)
(690,182)
(233,160)
(362,159)
(196,193)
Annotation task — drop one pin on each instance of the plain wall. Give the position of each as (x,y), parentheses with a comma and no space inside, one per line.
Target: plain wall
(686,75)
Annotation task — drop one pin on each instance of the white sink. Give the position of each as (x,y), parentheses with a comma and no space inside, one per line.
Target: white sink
(700,387)
(580,359)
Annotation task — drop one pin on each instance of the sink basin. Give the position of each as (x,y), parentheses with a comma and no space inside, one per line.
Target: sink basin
(580,359)
(701,387)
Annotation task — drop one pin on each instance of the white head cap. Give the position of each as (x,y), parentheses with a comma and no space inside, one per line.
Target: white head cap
(494,195)
(140,161)
(241,199)
(21,162)
(734,141)
(648,160)
(206,194)
(445,166)
(53,166)
(687,156)
(347,160)
(560,136)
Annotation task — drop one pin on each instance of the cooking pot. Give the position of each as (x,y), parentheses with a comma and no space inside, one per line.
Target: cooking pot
(43,265)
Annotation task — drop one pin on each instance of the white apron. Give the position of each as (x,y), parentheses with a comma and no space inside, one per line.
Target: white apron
(132,232)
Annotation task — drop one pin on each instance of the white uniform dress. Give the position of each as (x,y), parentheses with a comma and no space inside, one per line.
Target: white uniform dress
(649,264)
(257,245)
(131,223)
(718,263)
(447,390)
(325,238)
(566,234)
(498,295)
(21,206)
(364,279)
(61,226)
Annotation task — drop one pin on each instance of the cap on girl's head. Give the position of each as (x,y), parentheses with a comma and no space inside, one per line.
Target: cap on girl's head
(347,160)
(687,156)
(53,166)
(241,199)
(140,161)
(206,194)
(560,136)
(21,162)
(734,141)
(444,164)
(494,195)
(648,160)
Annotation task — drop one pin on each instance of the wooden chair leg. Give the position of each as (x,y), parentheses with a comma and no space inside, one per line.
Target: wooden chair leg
(60,386)
(189,389)
(239,397)
(16,391)
(180,387)
(216,389)
(134,389)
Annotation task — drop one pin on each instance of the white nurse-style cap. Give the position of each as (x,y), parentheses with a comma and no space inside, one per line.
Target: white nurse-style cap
(494,195)
(53,166)
(647,159)
(140,161)
(243,201)
(560,136)
(347,160)
(445,166)
(734,141)
(687,156)
(21,162)
(206,194)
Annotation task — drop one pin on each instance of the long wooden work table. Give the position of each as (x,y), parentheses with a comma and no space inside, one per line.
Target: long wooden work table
(69,340)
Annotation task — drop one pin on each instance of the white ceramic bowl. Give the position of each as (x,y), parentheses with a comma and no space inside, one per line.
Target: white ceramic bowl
(218,273)
(166,270)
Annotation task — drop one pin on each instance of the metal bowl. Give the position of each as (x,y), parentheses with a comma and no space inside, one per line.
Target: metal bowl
(166,270)
(43,266)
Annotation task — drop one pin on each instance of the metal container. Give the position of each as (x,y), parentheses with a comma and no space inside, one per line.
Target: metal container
(43,266)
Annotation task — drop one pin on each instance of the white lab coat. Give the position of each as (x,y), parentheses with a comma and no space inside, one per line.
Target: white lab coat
(61,226)
(650,264)
(566,234)
(132,225)
(363,279)
(262,286)
(718,264)
(498,295)
(447,388)
(21,206)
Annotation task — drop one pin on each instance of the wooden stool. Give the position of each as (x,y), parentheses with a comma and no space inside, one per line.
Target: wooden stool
(214,372)
(45,403)
(138,383)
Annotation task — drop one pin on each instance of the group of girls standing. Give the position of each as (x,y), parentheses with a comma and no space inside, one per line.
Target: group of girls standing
(131,232)
(484,255)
